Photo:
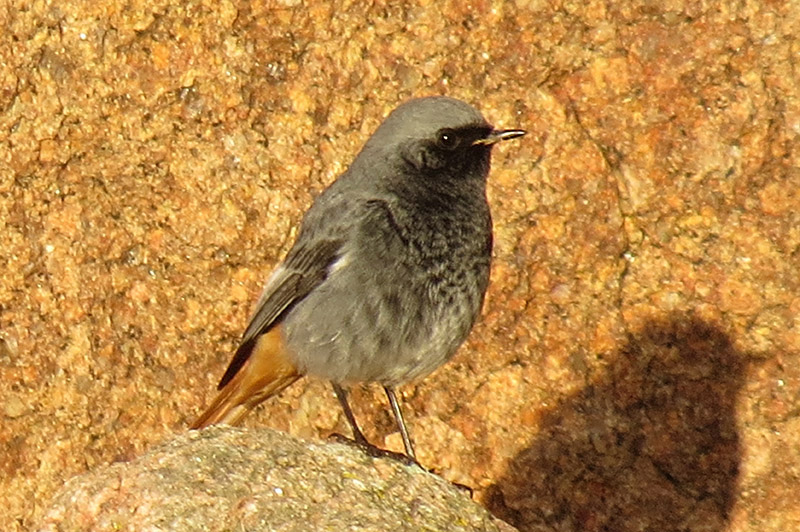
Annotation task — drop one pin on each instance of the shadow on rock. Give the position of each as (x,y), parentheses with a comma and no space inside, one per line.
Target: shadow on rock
(649,445)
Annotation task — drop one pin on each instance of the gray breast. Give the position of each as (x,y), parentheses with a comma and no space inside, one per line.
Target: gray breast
(388,312)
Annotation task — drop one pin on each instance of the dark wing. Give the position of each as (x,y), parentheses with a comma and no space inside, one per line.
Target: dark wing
(304,268)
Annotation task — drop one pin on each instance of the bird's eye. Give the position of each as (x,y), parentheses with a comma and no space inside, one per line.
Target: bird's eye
(447,140)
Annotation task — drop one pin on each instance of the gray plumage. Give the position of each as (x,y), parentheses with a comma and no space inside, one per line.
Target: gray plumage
(391,263)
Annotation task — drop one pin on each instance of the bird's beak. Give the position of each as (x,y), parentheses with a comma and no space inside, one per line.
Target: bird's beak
(499,134)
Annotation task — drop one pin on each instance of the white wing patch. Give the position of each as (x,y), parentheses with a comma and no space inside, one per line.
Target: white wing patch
(339,263)
(272,282)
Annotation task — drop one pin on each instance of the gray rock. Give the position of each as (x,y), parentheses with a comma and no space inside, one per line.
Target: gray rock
(231,479)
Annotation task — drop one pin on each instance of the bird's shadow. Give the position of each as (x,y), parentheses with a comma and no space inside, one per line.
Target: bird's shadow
(651,444)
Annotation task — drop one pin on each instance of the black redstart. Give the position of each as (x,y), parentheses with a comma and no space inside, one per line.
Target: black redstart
(388,272)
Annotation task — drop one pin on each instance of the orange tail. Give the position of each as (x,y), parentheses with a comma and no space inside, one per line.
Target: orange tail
(266,372)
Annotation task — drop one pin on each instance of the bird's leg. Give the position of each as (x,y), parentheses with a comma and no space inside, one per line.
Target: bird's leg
(341,395)
(398,416)
(360,440)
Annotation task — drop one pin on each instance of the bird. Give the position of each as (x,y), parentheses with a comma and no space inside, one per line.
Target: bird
(387,274)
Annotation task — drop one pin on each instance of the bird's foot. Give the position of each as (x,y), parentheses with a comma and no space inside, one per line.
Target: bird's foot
(377,452)
(374,451)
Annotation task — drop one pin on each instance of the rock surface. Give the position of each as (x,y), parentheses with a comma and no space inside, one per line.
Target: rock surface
(259,479)
(640,342)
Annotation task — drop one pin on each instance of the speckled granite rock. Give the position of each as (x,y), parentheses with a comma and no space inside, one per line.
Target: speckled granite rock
(247,479)
(155,157)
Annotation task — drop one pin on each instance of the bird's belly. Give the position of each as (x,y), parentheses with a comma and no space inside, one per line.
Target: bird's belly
(378,330)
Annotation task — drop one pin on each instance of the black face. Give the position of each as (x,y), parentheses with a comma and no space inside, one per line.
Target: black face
(450,150)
